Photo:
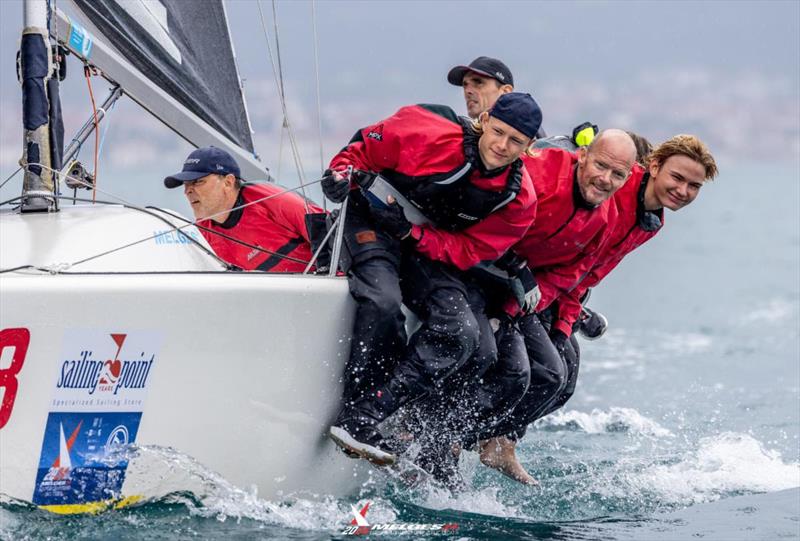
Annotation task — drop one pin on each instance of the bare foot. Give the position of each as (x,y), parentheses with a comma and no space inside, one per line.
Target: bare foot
(499,454)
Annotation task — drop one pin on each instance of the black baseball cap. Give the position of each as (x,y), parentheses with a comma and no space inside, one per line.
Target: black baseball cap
(483,65)
(204,161)
(520,111)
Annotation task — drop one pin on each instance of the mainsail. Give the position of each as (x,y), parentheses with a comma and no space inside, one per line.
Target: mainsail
(185,48)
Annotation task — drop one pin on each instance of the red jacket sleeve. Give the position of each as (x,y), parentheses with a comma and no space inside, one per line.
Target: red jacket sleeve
(560,279)
(399,142)
(487,240)
(569,303)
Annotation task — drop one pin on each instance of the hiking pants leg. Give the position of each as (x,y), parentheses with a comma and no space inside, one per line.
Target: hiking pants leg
(548,378)
(447,338)
(572,356)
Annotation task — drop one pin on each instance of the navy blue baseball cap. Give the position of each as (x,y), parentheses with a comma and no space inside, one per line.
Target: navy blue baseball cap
(483,65)
(201,162)
(520,111)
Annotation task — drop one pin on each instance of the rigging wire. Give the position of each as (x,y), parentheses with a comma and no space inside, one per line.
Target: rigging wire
(12,175)
(316,79)
(178,228)
(278,74)
(87,73)
(134,243)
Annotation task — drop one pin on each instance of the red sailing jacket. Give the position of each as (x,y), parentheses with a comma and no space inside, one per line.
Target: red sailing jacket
(625,235)
(276,224)
(560,246)
(417,144)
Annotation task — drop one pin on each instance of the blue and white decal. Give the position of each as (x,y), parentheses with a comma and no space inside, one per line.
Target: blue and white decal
(84,457)
(80,40)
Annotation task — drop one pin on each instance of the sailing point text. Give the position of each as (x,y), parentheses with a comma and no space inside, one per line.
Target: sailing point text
(85,373)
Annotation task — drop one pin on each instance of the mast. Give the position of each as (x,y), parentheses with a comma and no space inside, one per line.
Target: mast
(38,90)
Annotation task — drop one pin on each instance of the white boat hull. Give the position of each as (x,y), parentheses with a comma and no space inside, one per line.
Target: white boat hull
(243,376)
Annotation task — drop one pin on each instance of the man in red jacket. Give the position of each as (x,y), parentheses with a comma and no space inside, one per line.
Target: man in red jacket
(574,210)
(677,170)
(468,181)
(253,226)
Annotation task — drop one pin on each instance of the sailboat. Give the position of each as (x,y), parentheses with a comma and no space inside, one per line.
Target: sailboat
(121,321)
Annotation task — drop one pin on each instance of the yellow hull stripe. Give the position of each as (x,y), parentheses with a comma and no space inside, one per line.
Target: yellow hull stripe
(91,507)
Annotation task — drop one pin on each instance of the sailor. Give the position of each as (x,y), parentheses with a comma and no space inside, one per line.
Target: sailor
(467,179)
(677,170)
(591,324)
(484,80)
(252,226)
(574,209)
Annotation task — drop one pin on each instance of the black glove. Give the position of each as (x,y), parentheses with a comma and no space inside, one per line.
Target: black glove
(511,263)
(335,190)
(391,219)
(532,292)
(524,285)
(559,340)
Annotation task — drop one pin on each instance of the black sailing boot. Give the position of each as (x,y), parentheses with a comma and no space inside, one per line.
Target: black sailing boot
(356,428)
(592,325)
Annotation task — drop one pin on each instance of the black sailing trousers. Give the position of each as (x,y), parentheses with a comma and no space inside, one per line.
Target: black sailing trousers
(383,373)
(552,379)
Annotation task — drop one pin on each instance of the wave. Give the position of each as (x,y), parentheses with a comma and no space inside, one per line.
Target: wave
(725,464)
(615,420)
(772,312)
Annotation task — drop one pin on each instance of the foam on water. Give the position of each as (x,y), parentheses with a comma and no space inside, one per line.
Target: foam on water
(721,465)
(207,494)
(773,311)
(674,344)
(599,421)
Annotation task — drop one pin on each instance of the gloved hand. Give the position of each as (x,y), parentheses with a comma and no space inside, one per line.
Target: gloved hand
(511,263)
(532,292)
(391,219)
(559,340)
(525,289)
(335,186)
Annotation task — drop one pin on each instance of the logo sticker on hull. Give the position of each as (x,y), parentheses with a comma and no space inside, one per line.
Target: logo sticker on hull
(99,393)
(84,457)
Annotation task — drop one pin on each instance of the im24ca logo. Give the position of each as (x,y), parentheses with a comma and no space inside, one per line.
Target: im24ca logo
(360,526)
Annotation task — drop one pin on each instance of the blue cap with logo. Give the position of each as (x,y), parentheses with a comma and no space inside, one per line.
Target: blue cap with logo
(201,162)
(520,111)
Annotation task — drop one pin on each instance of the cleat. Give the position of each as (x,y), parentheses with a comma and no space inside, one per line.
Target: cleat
(365,449)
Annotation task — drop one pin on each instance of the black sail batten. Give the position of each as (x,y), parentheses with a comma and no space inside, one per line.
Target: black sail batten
(185,49)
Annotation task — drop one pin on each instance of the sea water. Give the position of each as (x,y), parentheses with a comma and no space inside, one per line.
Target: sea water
(685,423)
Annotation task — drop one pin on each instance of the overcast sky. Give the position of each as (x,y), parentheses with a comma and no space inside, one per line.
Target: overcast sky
(728,71)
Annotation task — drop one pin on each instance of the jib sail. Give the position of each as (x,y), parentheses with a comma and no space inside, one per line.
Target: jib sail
(185,48)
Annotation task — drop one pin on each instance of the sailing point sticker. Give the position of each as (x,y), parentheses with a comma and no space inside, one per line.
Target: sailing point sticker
(99,391)
(105,371)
